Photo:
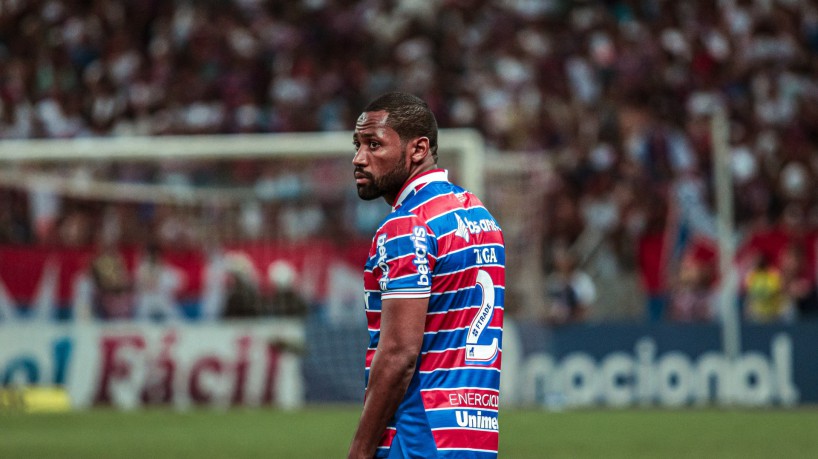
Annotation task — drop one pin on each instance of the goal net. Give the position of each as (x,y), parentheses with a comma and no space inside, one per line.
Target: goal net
(199,228)
(277,208)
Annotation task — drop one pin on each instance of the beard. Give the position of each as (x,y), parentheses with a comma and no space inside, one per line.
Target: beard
(389,183)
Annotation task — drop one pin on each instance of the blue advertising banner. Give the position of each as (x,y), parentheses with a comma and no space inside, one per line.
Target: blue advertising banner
(617,365)
(666,365)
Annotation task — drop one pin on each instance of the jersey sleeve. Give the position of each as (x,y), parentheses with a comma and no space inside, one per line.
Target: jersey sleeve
(406,254)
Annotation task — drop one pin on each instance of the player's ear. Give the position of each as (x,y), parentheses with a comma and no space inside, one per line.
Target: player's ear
(420,149)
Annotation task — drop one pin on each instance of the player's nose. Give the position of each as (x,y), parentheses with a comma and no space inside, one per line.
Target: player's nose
(359,160)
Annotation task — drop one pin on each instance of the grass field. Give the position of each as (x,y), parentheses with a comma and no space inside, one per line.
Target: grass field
(325,432)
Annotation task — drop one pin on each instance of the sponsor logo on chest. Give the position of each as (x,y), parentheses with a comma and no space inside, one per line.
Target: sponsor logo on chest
(466,227)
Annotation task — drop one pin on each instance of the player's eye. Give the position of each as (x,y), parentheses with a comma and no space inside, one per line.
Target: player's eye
(374,145)
(357,145)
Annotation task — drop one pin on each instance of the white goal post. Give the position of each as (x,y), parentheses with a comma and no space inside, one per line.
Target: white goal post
(500,180)
(466,145)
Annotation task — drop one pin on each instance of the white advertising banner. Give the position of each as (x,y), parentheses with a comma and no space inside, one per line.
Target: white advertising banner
(129,365)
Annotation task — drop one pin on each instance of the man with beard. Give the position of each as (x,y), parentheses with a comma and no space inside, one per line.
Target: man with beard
(434,287)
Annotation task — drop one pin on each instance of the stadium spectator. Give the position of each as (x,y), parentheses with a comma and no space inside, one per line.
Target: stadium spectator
(112,284)
(156,286)
(764,298)
(15,227)
(570,292)
(284,299)
(242,296)
(799,288)
(692,297)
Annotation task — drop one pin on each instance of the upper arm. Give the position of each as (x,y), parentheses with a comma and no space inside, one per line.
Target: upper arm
(403,322)
(406,256)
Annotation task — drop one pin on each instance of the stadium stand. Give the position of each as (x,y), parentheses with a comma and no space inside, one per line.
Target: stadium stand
(616,96)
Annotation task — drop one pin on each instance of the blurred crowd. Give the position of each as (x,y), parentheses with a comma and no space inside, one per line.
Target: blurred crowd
(617,95)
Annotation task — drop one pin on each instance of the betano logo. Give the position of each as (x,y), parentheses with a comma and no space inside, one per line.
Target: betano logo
(418,238)
(384,280)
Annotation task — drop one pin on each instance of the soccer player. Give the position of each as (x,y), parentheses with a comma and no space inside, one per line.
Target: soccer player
(434,286)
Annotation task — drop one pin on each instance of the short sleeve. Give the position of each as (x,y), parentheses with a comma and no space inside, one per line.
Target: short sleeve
(405,256)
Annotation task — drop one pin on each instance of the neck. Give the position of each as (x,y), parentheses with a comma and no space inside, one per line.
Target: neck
(417,181)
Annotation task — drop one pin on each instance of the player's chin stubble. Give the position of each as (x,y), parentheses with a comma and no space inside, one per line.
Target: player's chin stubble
(391,182)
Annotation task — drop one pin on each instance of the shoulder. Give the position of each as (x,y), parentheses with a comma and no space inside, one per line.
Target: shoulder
(401,222)
(437,199)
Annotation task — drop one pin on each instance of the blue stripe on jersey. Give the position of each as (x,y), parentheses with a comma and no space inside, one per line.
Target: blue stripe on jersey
(467,257)
(402,245)
(448,220)
(465,454)
(475,376)
(461,299)
(446,339)
(442,301)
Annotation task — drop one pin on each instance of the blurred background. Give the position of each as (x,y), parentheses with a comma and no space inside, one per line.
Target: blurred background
(653,165)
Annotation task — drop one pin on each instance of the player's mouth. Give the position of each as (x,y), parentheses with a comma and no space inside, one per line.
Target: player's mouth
(362,177)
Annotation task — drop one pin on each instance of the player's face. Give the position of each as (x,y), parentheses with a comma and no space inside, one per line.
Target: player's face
(381,166)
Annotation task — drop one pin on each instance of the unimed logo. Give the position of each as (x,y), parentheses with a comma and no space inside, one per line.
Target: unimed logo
(476,420)
(670,379)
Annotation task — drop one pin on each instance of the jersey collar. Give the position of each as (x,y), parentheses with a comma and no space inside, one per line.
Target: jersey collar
(418,182)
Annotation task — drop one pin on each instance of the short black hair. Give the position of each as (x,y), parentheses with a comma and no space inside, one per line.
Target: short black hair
(409,116)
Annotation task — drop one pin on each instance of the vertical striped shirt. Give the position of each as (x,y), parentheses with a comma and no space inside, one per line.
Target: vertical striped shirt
(441,243)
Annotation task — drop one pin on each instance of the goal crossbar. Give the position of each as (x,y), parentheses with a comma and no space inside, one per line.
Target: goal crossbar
(466,144)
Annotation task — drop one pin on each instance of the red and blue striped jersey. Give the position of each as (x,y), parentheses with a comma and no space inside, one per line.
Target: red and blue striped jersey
(441,243)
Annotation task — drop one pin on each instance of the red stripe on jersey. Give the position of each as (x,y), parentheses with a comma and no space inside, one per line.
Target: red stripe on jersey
(468,398)
(470,200)
(405,266)
(373,320)
(452,282)
(372,316)
(445,203)
(387,437)
(467,438)
(452,358)
(440,204)
(459,319)
(371,282)
(444,321)
(397,227)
